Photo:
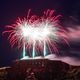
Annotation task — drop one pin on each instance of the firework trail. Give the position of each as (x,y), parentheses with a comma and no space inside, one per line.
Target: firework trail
(37,33)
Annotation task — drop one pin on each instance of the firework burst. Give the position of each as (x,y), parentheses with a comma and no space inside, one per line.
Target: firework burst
(37,33)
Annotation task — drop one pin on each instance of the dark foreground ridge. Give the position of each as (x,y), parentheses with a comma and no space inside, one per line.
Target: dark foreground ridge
(40,69)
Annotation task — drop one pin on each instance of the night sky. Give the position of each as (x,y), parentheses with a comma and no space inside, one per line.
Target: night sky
(10,10)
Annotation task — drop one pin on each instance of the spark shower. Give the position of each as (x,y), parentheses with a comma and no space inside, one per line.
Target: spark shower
(36,33)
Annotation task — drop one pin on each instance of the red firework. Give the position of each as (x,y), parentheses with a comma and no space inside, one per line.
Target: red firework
(39,32)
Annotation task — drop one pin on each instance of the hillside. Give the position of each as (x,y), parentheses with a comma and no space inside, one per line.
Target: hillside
(41,69)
